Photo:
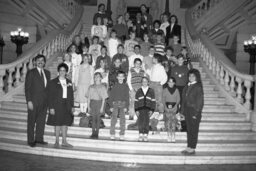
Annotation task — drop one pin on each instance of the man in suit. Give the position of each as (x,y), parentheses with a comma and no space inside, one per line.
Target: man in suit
(36,97)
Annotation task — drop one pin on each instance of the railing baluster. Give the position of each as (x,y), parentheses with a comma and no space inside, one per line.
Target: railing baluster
(10,79)
(17,76)
(227,81)
(232,86)
(239,90)
(247,103)
(2,82)
(221,75)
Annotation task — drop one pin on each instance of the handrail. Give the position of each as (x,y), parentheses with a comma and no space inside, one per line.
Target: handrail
(237,85)
(14,73)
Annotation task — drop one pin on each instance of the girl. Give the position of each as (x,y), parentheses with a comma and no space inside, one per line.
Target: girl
(121,28)
(99,30)
(85,52)
(97,94)
(84,78)
(61,101)
(67,61)
(95,48)
(171,100)
(191,108)
(145,103)
(76,59)
(145,45)
(112,44)
(184,52)
(103,70)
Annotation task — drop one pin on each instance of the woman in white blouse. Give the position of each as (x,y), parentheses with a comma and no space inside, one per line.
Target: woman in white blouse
(61,102)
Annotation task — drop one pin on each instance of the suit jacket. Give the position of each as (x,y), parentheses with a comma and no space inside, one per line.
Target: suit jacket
(35,89)
(176,30)
(193,97)
(55,92)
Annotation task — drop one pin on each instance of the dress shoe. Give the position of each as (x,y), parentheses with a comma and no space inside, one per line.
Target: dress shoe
(66,145)
(32,144)
(41,142)
(191,152)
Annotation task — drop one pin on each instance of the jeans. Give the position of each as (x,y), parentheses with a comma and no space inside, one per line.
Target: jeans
(118,107)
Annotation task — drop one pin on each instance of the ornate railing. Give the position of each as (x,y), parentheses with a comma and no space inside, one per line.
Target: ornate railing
(236,86)
(12,75)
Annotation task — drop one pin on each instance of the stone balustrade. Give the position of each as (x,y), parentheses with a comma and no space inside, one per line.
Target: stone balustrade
(201,8)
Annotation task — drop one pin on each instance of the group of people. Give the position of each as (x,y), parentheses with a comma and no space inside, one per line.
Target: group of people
(148,77)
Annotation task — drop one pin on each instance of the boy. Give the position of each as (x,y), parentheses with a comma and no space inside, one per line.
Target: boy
(134,78)
(134,56)
(156,31)
(122,57)
(112,44)
(171,60)
(145,45)
(175,45)
(104,57)
(119,103)
(112,77)
(148,60)
(129,44)
(159,45)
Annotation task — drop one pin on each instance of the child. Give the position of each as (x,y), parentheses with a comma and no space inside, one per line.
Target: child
(145,45)
(129,44)
(165,23)
(159,45)
(121,28)
(134,78)
(171,100)
(112,77)
(103,70)
(140,27)
(97,94)
(95,48)
(134,56)
(148,60)
(158,78)
(84,78)
(76,60)
(99,30)
(119,103)
(171,59)
(145,103)
(122,57)
(104,57)
(112,44)
(187,61)
(180,72)
(67,61)
(175,45)
(156,31)
(85,52)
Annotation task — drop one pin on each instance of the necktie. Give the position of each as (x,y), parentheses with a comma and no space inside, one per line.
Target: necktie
(42,77)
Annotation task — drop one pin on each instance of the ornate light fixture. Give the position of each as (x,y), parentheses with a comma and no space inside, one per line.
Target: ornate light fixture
(250,47)
(20,38)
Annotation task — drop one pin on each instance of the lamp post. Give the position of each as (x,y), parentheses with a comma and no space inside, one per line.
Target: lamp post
(250,47)
(1,49)
(20,38)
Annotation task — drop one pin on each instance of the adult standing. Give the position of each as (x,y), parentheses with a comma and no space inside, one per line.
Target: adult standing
(101,13)
(191,107)
(36,97)
(146,17)
(61,102)
(174,29)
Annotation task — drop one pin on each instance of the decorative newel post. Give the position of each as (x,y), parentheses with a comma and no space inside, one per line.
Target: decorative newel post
(167,10)
(253,114)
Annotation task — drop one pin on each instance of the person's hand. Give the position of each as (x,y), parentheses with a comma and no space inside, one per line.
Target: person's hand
(30,105)
(52,111)
(125,110)
(111,109)
(194,117)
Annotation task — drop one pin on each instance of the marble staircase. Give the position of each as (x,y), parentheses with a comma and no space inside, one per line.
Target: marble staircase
(225,136)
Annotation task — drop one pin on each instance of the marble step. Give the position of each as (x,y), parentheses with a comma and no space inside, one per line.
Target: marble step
(207,108)
(17,114)
(133,157)
(215,133)
(140,147)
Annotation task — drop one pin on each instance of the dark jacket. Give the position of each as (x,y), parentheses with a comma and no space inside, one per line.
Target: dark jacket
(192,98)
(35,89)
(55,94)
(147,101)
(176,30)
(119,92)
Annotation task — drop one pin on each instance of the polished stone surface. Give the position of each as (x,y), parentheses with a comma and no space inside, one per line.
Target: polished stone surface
(10,161)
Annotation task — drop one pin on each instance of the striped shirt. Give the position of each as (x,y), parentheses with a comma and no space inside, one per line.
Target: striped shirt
(160,48)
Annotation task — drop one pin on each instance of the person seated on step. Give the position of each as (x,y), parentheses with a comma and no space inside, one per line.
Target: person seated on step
(144,106)
(171,101)
(97,95)
(61,102)
(119,104)
(191,107)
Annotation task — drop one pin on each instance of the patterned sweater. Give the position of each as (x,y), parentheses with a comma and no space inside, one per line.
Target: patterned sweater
(143,101)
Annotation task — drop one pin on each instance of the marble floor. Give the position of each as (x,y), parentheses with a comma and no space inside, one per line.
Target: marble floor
(11,161)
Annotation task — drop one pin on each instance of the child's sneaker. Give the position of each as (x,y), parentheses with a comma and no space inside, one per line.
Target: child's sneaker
(173,139)
(145,137)
(121,138)
(112,137)
(169,139)
(140,137)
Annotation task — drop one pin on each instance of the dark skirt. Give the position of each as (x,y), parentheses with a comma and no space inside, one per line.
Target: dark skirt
(63,115)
